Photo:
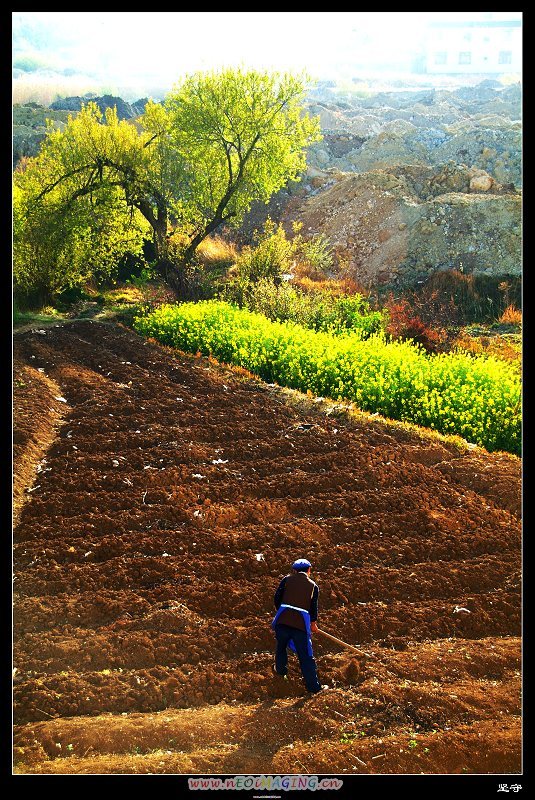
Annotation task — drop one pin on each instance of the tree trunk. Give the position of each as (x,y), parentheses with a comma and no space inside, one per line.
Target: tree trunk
(189,252)
(159,227)
(175,277)
(171,273)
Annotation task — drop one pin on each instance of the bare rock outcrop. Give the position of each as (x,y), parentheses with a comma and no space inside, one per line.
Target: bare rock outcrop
(495,149)
(475,125)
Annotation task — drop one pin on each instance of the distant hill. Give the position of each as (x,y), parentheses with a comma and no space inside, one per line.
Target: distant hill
(124,110)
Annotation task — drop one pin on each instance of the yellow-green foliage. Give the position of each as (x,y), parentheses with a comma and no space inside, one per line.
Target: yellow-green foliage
(218,142)
(477,398)
(239,135)
(63,233)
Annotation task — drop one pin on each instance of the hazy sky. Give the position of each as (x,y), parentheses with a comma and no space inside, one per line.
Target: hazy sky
(134,48)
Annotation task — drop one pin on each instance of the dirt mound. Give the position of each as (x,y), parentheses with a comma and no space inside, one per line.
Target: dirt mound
(400,224)
(37,412)
(175,496)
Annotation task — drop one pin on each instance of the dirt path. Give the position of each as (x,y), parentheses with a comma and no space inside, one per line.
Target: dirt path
(170,498)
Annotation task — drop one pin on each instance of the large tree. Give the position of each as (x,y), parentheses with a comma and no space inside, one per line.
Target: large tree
(217,143)
(66,236)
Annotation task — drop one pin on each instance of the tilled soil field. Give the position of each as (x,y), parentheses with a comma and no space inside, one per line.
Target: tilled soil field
(160,498)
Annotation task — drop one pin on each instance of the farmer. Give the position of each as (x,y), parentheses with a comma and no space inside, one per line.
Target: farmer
(296,601)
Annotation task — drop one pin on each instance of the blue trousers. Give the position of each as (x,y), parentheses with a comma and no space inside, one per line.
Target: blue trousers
(283,634)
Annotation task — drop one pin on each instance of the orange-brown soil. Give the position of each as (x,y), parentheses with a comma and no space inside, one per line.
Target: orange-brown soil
(164,501)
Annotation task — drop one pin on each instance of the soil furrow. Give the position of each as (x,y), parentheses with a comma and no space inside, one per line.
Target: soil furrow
(162,514)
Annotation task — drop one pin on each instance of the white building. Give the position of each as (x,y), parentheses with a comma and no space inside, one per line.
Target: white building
(474,46)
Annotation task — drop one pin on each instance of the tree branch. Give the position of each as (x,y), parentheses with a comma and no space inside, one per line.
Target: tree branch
(71,174)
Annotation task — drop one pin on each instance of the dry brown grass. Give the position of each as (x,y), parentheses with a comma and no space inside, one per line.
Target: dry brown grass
(511,316)
(500,347)
(215,252)
(336,287)
(308,272)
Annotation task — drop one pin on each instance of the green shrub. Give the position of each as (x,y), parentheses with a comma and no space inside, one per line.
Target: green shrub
(321,311)
(270,258)
(315,254)
(274,255)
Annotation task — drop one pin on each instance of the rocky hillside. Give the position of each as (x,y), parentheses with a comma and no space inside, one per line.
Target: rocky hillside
(479,126)
(124,110)
(29,128)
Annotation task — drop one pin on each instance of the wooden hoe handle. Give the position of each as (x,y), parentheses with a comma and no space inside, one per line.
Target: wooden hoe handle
(344,644)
